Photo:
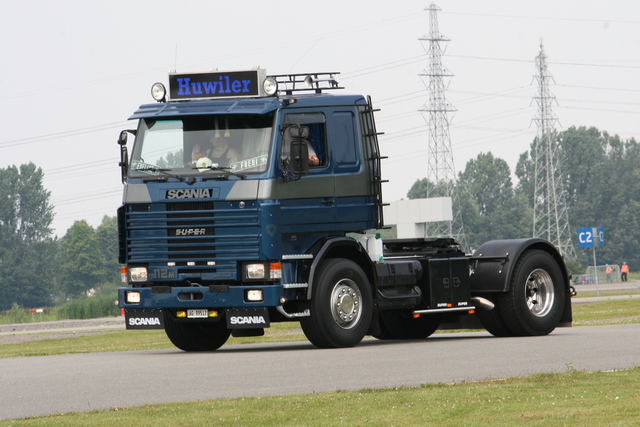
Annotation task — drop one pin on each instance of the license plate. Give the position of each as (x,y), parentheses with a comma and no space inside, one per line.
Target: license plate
(195,314)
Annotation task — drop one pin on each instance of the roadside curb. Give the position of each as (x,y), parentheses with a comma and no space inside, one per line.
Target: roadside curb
(63,325)
(591,300)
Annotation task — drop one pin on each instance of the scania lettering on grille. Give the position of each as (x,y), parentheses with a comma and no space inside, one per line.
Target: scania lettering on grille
(198,193)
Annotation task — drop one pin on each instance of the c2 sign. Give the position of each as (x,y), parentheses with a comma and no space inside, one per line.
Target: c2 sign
(586,237)
(591,236)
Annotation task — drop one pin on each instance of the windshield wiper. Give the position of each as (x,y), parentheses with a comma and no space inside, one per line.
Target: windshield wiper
(225,170)
(160,170)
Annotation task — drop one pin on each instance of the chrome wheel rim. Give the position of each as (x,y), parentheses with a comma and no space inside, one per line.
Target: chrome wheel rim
(346,300)
(539,292)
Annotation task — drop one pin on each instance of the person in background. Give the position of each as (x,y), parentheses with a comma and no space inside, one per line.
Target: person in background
(607,269)
(624,271)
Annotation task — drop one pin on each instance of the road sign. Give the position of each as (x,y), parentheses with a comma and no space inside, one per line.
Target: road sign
(586,237)
(590,237)
(600,236)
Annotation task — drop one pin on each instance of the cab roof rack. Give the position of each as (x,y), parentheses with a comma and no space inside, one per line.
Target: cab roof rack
(289,83)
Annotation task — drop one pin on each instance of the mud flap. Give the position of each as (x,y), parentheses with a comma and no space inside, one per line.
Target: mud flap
(151,319)
(247,318)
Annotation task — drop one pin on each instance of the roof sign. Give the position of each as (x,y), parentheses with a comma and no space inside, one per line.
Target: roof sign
(236,84)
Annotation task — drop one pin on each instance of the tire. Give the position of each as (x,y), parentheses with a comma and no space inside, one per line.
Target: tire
(492,319)
(341,305)
(195,336)
(400,325)
(535,301)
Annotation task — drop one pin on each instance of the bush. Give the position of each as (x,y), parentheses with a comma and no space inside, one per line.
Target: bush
(18,314)
(89,307)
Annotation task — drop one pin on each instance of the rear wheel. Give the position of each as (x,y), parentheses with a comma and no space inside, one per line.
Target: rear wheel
(535,300)
(400,325)
(492,320)
(195,336)
(341,305)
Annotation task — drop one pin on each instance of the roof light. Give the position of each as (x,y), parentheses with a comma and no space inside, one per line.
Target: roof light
(270,86)
(158,92)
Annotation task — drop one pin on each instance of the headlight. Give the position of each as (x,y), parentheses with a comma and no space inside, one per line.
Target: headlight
(255,271)
(254,295)
(268,270)
(138,274)
(133,297)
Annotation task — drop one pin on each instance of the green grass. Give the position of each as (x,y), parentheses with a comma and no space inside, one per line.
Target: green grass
(605,294)
(119,340)
(569,399)
(607,312)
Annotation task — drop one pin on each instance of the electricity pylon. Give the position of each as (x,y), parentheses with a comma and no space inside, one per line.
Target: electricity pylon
(550,216)
(441,174)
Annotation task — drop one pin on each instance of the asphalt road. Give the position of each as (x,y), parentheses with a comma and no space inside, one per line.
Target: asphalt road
(33,386)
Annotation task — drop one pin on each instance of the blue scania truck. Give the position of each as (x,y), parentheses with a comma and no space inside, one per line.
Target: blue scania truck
(246,199)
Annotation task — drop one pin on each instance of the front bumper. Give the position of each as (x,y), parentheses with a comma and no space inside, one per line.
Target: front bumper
(214,296)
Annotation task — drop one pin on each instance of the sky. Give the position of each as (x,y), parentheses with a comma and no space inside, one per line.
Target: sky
(74,71)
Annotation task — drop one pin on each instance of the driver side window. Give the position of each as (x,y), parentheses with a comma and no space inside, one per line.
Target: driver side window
(311,128)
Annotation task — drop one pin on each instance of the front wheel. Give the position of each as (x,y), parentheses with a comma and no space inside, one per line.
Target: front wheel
(535,300)
(195,336)
(341,305)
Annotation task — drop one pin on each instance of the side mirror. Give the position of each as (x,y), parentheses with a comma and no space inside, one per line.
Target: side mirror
(124,162)
(122,139)
(124,155)
(299,160)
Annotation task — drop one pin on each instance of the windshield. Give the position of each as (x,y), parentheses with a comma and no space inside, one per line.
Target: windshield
(198,145)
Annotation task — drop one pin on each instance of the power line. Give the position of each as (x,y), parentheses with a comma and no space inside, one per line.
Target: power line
(59,135)
(550,215)
(69,200)
(353,74)
(579,64)
(546,18)
(599,88)
(441,175)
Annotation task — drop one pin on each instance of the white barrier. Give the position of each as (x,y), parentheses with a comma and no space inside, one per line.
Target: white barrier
(410,216)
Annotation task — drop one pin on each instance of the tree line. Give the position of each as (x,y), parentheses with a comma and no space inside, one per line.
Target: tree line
(36,268)
(601,174)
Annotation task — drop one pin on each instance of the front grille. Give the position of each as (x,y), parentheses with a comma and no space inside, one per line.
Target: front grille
(221,233)
(190,220)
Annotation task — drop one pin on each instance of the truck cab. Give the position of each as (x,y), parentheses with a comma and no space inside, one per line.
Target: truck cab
(246,201)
